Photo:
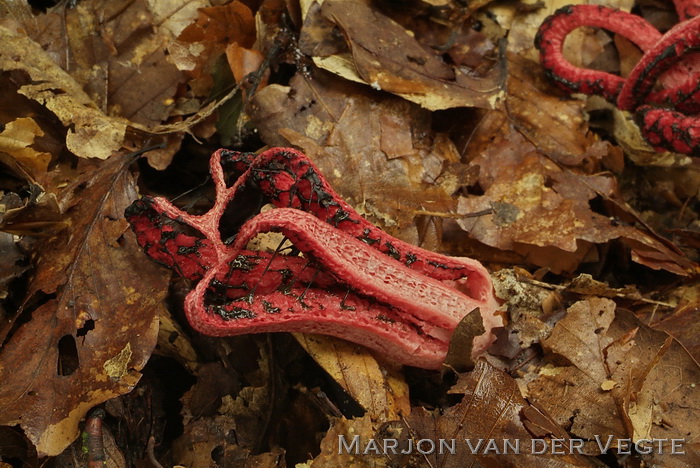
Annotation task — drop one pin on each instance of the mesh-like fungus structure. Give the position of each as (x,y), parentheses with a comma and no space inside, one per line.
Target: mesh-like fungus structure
(354,281)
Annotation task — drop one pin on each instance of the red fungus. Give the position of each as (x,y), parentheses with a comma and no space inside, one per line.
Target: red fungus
(679,42)
(668,59)
(687,9)
(354,281)
(554,29)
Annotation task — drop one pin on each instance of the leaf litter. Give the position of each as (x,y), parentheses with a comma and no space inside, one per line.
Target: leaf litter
(431,125)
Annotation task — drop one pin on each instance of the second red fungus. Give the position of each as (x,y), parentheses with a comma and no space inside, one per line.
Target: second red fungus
(669,60)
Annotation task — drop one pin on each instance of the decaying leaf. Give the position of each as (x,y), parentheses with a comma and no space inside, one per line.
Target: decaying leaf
(682,324)
(92,134)
(11,260)
(16,140)
(541,211)
(201,43)
(631,380)
(557,127)
(490,412)
(388,57)
(91,299)
(435,120)
(331,456)
(530,308)
(380,390)
(174,16)
(345,128)
(116,54)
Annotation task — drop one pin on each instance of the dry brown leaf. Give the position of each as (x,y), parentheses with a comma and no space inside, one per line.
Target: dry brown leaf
(581,337)
(116,53)
(225,424)
(49,136)
(490,411)
(541,211)
(459,356)
(527,306)
(585,284)
(127,72)
(120,71)
(217,405)
(92,134)
(16,140)
(244,61)
(385,55)
(11,264)
(94,324)
(388,57)
(206,437)
(343,127)
(528,216)
(174,15)
(556,127)
(37,213)
(491,408)
(683,323)
(202,42)
(656,385)
(379,389)
(648,374)
(175,343)
(332,457)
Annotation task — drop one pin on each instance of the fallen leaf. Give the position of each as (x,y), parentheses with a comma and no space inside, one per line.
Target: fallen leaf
(556,127)
(16,140)
(333,453)
(637,379)
(131,58)
(386,56)
(201,43)
(11,264)
(343,127)
(526,305)
(176,15)
(541,211)
(581,337)
(585,284)
(490,414)
(92,134)
(91,310)
(682,324)
(656,379)
(205,438)
(379,389)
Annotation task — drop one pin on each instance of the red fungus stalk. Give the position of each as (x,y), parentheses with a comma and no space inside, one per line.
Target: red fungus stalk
(679,42)
(354,281)
(687,9)
(553,31)
(669,60)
